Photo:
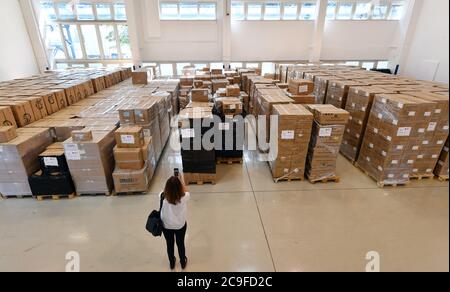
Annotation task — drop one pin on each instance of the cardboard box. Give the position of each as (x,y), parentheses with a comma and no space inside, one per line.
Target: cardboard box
(82,135)
(7,133)
(328,114)
(22,110)
(233,91)
(219,83)
(140,77)
(200,95)
(129,158)
(300,86)
(127,115)
(126,181)
(130,137)
(7,117)
(53,161)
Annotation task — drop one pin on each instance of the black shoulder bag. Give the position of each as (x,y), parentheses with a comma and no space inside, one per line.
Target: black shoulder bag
(154,222)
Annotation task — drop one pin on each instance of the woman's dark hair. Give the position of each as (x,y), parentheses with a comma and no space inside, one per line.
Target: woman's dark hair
(174,190)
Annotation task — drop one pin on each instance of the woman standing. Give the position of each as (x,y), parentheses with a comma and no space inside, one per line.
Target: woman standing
(174,218)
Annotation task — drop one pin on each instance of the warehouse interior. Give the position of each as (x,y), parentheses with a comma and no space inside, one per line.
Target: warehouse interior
(99,101)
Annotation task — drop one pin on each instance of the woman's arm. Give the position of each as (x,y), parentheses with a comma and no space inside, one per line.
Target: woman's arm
(181,178)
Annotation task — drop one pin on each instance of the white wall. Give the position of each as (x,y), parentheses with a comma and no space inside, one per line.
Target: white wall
(16,53)
(428,53)
(358,40)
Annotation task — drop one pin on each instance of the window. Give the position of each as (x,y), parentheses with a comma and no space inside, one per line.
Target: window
(90,41)
(368,65)
(352,63)
(188,11)
(290,11)
(237,11)
(65,11)
(252,65)
(267,68)
(119,10)
(362,11)
(103,11)
(200,66)
(78,32)
(331,10)
(185,10)
(169,11)
(236,65)
(308,11)
(207,11)
(272,11)
(345,11)
(379,11)
(62,66)
(383,65)
(216,65)
(396,12)
(95,65)
(180,67)
(166,69)
(254,11)
(85,12)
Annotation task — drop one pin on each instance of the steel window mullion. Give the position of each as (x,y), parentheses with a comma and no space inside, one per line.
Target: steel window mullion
(388,10)
(82,41)
(100,41)
(66,50)
(299,10)
(119,48)
(354,10)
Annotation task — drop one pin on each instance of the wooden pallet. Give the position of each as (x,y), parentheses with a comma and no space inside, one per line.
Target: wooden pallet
(443,178)
(421,177)
(277,180)
(106,194)
(230,160)
(131,194)
(200,183)
(382,184)
(15,197)
(335,179)
(55,197)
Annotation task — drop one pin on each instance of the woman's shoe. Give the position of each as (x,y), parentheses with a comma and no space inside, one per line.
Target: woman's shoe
(184,263)
(172,264)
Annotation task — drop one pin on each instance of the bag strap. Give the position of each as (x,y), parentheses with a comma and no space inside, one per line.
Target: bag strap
(161,202)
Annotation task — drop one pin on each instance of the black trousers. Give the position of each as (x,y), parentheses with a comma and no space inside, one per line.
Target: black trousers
(177,236)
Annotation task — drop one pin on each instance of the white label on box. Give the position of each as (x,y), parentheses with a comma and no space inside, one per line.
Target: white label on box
(350,118)
(390,175)
(353,105)
(410,161)
(224,127)
(434,156)
(427,114)
(415,170)
(395,122)
(358,135)
(446,149)
(345,142)
(380,116)
(389,138)
(412,114)
(429,170)
(288,135)
(340,98)
(1,149)
(420,156)
(400,105)
(348,130)
(72,155)
(360,122)
(71,147)
(383,100)
(445,128)
(375,130)
(441,163)
(425,142)
(421,130)
(51,161)
(187,133)
(440,142)
(405,175)
(415,148)
(363,109)
(232,106)
(384,153)
(325,132)
(400,147)
(380,168)
(394,161)
(368,158)
(431,126)
(303,88)
(438,111)
(404,132)
(354,148)
(127,139)
(370,145)
(147,133)
(229,117)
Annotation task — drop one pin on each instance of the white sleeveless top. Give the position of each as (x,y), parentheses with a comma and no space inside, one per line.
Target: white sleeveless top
(174,217)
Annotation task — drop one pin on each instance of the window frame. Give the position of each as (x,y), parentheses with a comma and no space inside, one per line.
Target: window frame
(178,2)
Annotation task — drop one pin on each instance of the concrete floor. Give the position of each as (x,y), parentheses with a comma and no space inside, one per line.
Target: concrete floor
(243,223)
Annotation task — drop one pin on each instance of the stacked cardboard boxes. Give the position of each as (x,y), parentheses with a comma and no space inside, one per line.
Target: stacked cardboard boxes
(91,161)
(359,104)
(135,160)
(327,132)
(294,132)
(392,141)
(300,90)
(321,87)
(19,160)
(338,91)
(442,167)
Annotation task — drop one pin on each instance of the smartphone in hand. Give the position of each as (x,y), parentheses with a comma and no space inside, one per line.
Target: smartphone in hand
(177,172)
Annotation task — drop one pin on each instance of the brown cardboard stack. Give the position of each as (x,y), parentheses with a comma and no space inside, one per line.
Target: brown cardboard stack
(7,117)
(359,104)
(294,132)
(338,91)
(228,106)
(258,91)
(135,160)
(200,95)
(219,83)
(391,142)
(321,87)
(327,132)
(91,163)
(442,167)
(300,90)
(19,159)
(431,136)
